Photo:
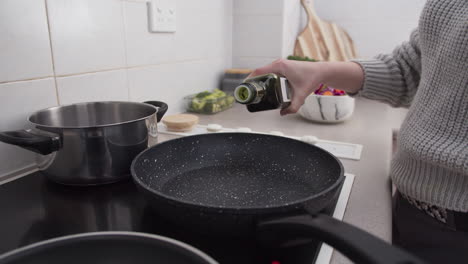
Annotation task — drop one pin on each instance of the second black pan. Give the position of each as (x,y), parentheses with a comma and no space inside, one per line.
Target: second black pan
(245,184)
(114,247)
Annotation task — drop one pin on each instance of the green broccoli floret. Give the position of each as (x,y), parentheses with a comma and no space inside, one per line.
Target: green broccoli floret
(218,93)
(230,100)
(198,104)
(211,102)
(211,108)
(202,94)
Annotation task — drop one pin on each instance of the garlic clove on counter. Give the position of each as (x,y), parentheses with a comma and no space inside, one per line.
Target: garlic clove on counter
(214,128)
(309,139)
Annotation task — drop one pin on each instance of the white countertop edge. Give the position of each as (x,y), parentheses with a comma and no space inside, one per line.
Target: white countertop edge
(18,174)
(325,253)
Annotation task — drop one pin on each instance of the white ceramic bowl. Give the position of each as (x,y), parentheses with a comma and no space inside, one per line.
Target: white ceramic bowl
(327,109)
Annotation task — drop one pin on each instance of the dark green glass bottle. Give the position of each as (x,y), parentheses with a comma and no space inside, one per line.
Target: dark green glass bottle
(264,92)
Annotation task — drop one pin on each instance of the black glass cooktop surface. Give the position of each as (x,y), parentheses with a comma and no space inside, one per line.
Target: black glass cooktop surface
(34,209)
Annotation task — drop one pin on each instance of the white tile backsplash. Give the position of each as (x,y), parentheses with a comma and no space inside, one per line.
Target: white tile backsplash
(100,50)
(258,7)
(24,43)
(154,83)
(170,83)
(199,76)
(257,36)
(144,47)
(201,34)
(258,31)
(101,86)
(87,35)
(18,101)
(191,38)
(201,6)
(251,62)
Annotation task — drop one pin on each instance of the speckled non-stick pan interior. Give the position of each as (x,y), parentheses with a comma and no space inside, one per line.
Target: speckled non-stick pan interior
(236,170)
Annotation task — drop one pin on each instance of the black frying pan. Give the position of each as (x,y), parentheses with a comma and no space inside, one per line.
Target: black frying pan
(105,248)
(248,184)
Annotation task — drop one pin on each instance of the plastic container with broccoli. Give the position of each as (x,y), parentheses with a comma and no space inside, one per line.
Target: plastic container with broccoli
(209,102)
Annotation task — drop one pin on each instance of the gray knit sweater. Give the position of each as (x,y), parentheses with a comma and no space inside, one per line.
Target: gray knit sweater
(429,74)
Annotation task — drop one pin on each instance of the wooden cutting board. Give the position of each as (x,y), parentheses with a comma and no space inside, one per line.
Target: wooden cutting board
(310,43)
(322,40)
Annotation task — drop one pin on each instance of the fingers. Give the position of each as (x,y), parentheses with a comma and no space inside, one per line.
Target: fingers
(282,67)
(292,108)
(278,67)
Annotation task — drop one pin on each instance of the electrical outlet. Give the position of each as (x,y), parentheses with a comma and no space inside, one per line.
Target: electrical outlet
(161,15)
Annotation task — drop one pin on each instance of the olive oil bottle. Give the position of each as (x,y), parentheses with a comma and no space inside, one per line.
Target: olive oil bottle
(264,92)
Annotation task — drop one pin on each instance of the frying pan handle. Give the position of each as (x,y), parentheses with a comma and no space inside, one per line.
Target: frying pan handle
(162,108)
(40,142)
(356,244)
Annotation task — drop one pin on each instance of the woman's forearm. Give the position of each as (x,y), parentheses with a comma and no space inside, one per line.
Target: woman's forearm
(346,76)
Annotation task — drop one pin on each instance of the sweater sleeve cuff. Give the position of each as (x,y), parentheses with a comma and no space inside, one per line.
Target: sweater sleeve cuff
(381,80)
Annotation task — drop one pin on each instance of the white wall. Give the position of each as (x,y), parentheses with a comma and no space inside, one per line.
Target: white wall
(376,26)
(265,30)
(65,51)
(257,32)
(292,25)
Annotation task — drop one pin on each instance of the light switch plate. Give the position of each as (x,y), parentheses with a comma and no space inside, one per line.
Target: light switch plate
(162,15)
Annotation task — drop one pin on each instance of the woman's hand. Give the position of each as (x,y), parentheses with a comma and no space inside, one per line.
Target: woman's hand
(305,77)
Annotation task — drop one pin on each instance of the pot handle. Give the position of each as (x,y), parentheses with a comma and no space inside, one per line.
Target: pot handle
(356,244)
(162,108)
(40,142)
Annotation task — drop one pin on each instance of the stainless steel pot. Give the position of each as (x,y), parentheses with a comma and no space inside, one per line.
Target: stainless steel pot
(89,143)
